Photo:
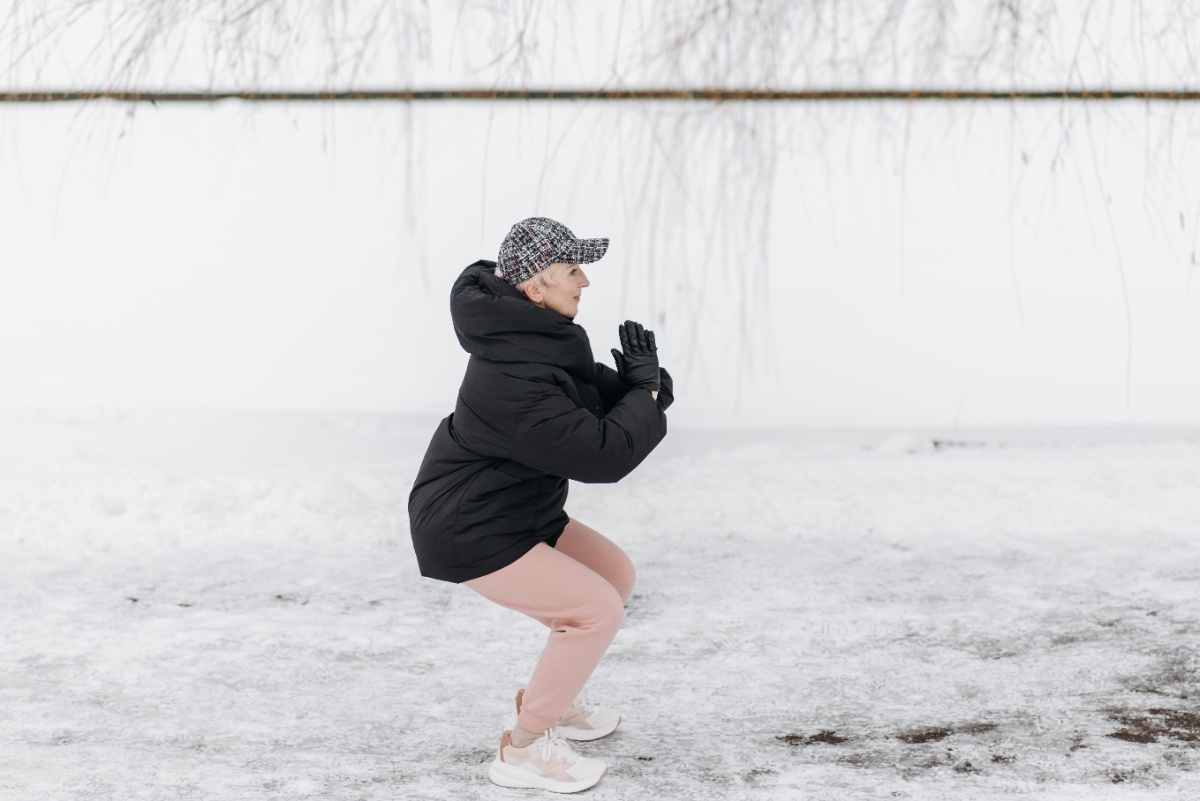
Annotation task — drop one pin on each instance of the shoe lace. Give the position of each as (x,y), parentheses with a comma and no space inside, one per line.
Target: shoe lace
(552,745)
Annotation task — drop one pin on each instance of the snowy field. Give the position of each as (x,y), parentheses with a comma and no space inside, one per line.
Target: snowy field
(226,606)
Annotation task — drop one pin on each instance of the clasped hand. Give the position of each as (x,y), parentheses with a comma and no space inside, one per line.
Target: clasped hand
(638,365)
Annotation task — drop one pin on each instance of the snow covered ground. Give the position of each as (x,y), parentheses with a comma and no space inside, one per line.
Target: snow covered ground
(205,605)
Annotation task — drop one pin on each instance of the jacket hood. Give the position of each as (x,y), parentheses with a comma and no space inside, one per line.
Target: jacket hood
(494,321)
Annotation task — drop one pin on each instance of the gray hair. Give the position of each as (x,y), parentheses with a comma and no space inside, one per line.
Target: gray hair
(543,277)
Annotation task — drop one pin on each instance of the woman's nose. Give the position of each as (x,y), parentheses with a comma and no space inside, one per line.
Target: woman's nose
(584,281)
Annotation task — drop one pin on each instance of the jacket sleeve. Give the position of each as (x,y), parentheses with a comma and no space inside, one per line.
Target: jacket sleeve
(555,435)
(610,385)
(666,389)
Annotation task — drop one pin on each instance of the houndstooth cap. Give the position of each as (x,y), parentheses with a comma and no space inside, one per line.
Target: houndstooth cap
(535,243)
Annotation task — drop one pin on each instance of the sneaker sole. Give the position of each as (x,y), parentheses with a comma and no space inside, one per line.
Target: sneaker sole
(506,775)
(584,735)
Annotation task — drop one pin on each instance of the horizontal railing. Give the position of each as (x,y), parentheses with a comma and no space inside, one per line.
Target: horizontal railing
(609,95)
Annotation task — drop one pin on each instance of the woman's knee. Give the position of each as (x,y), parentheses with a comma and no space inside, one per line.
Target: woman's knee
(600,554)
(621,574)
(603,612)
(612,611)
(626,581)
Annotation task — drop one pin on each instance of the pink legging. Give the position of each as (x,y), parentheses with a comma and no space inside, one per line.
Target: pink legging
(578,590)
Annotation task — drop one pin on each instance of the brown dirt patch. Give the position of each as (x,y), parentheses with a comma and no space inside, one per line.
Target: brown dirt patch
(932,735)
(1148,727)
(824,736)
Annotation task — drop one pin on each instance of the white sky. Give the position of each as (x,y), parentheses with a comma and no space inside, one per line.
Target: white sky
(923,264)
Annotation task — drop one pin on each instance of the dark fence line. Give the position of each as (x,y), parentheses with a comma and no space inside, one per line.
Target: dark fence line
(702,95)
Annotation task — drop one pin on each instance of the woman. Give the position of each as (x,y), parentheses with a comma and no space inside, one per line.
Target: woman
(534,410)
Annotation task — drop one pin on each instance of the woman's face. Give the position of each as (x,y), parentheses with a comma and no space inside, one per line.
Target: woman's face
(563,296)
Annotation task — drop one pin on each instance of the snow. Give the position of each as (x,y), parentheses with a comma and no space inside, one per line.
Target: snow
(226,606)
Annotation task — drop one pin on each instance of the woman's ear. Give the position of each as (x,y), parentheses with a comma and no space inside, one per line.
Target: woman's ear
(533,291)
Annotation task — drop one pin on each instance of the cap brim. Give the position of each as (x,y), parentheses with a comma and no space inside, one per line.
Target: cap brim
(583,251)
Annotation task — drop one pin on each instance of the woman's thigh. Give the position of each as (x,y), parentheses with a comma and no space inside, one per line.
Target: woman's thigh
(603,556)
(551,587)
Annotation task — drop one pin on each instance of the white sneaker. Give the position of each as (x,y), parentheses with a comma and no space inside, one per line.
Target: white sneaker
(582,721)
(548,763)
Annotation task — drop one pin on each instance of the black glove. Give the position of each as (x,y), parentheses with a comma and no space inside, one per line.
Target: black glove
(638,365)
(666,389)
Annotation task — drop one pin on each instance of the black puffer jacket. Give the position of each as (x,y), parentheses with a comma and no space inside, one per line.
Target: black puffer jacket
(534,410)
